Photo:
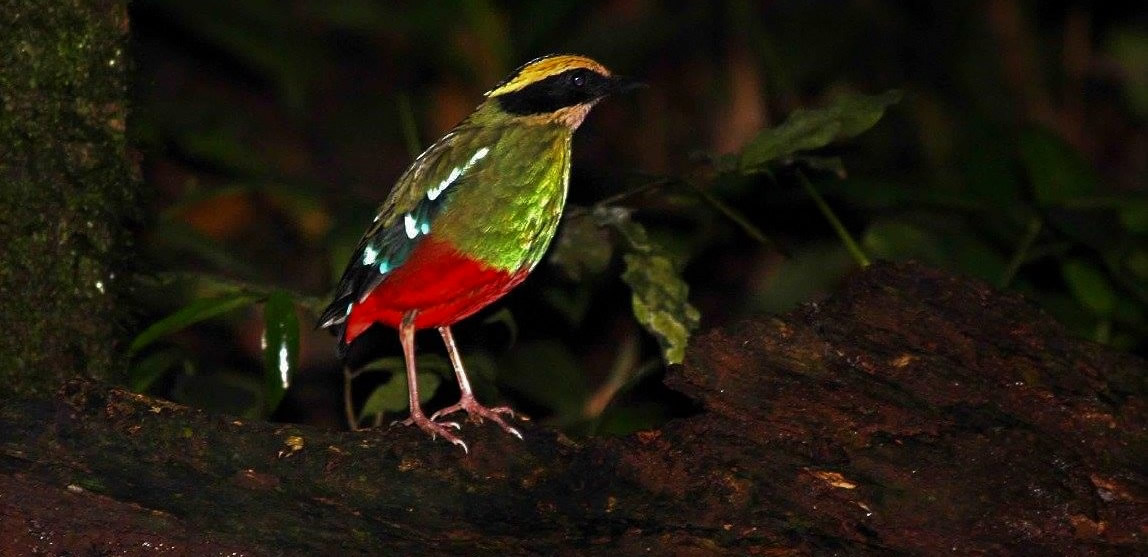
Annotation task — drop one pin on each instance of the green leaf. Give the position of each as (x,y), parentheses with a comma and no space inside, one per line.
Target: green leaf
(392,395)
(991,175)
(582,248)
(808,274)
(179,240)
(259,37)
(396,364)
(505,317)
(626,419)
(828,165)
(150,368)
(660,299)
(848,116)
(234,392)
(196,311)
(858,113)
(547,374)
(660,296)
(885,194)
(1134,217)
(898,240)
(570,303)
(1057,172)
(660,302)
(1090,286)
(280,347)
(1137,262)
(1127,48)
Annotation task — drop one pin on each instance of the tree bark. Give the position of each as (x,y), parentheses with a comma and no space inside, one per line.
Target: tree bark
(66,189)
(912,413)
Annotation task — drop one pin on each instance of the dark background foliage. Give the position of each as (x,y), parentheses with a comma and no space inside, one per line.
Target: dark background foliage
(268,131)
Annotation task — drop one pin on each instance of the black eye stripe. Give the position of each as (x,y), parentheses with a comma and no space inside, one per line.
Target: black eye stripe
(568,88)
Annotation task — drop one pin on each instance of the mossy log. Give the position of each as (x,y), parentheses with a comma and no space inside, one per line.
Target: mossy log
(911,413)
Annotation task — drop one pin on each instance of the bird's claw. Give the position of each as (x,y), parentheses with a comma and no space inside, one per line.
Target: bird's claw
(435,429)
(476,412)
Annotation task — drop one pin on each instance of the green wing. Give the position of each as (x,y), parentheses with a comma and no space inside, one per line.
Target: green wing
(408,214)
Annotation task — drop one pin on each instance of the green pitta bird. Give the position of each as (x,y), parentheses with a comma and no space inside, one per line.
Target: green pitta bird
(469,220)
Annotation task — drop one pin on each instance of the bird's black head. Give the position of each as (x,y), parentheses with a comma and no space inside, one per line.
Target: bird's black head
(550,84)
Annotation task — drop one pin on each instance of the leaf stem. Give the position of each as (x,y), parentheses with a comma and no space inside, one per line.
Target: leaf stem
(707,196)
(1032,230)
(850,244)
(732,214)
(633,191)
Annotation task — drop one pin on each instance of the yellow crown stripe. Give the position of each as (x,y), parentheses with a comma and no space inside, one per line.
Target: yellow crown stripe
(542,68)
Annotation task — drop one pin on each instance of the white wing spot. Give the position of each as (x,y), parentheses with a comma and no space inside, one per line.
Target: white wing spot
(455,174)
(433,193)
(411,226)
(370,254)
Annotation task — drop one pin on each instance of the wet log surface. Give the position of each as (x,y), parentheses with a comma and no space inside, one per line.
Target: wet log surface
(912,413)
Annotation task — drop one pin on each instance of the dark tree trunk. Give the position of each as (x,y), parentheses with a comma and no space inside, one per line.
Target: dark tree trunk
(66,189)
(912,413)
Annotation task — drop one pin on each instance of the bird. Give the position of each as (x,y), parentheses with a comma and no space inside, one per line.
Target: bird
(468,220)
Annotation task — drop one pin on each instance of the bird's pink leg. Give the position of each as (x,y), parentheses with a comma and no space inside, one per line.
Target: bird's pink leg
(407,337)
(467,402)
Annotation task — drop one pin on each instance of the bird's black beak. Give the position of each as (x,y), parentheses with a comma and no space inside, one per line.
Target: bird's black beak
(623,84)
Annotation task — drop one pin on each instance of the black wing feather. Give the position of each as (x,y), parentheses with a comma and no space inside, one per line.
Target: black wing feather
(390,246)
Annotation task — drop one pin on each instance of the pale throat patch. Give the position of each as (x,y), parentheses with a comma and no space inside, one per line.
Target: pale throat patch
(571,116)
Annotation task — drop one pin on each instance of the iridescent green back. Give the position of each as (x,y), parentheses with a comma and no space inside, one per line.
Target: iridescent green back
(495,192)
(506,212)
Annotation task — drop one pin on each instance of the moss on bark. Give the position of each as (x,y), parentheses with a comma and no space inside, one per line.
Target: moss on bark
(66,189)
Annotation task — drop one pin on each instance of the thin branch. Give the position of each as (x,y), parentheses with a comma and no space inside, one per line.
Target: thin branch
(410,128)
(348,403)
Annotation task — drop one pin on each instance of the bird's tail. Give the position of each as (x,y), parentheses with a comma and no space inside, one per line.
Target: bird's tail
(334,318)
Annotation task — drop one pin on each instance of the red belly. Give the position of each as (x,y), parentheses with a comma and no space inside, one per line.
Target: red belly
(444,285)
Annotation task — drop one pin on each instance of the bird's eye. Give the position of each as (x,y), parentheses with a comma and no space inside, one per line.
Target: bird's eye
(579,81)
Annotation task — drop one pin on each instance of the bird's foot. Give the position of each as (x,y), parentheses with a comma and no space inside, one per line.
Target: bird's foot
(477,412)
(435,429)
